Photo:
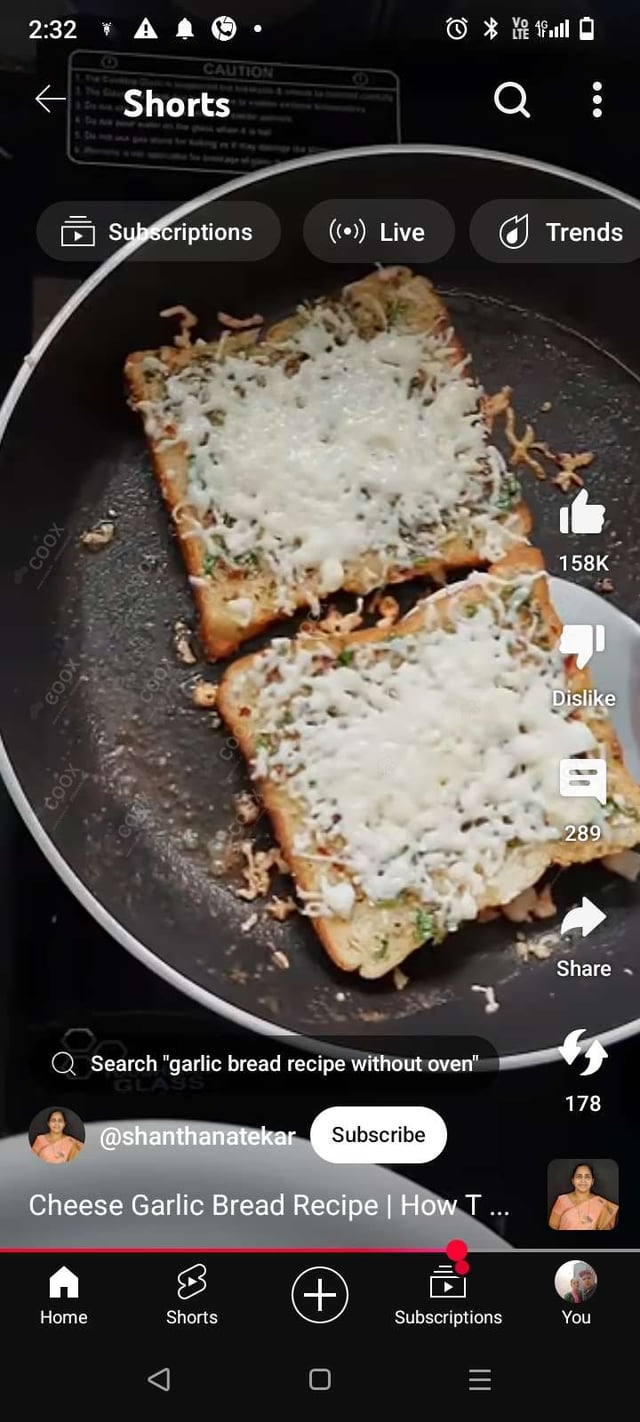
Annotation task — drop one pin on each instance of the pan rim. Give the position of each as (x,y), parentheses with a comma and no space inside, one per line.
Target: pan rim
(176,979)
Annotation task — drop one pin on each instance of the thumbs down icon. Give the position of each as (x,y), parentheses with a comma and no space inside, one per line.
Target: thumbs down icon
(581,641)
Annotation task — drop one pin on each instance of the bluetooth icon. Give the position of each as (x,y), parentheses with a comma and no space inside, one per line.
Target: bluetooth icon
(490,29)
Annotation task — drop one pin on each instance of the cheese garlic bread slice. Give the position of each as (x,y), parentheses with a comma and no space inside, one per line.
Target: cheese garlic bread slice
(343,449)
(412,773)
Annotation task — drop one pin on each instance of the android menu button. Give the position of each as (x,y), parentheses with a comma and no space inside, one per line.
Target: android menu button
(379,230)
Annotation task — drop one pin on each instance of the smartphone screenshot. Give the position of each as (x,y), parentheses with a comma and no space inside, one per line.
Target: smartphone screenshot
(319,720)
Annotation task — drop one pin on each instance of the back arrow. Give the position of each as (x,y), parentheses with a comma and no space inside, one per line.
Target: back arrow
(44,98)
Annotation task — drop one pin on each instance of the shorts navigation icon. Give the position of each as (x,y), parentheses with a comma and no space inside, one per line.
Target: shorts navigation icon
(192,1281)
(446,1284)
(77,232)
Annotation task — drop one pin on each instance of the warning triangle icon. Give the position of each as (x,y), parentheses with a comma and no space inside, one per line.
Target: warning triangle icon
(145,31)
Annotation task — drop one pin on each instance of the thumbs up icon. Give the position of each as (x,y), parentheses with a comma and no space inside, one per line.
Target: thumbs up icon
(581,516)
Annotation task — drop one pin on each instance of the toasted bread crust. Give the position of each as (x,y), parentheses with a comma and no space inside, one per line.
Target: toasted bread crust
(351,945)
(369,300)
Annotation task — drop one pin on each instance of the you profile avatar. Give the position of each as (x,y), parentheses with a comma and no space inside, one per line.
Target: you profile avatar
(576,1282)
(56,1136)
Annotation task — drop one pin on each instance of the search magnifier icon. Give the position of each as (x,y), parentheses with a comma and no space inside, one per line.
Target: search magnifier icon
(63,1063)
(517,101)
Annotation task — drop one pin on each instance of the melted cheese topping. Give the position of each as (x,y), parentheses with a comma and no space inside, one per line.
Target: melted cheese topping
(335,451)
(424,763)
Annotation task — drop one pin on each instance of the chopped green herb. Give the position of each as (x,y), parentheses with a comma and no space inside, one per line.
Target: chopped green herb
(382,949)
(208,564)
(397,310)
(251,558)
(346,656)
(425,925)
(471,610)
(262,743)
(510,493)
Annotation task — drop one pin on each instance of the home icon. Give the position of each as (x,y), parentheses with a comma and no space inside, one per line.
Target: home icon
(64,1282)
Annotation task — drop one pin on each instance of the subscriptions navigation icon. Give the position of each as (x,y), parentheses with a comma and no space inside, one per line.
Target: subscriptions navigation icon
(446,1284)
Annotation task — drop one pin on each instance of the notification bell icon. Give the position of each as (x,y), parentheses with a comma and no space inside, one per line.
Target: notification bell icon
(184,30)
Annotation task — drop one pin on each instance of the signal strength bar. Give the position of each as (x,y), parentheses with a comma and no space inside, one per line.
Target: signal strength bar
(560,31)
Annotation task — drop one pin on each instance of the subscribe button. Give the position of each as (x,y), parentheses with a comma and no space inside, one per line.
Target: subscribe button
(373,1135)
(379,230)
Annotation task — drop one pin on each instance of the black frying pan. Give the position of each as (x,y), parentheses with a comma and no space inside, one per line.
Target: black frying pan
(126,787)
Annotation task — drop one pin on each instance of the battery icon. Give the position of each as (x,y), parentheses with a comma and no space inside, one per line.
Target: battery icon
(586,28)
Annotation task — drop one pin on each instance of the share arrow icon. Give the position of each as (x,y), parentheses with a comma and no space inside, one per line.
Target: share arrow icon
(587,917)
